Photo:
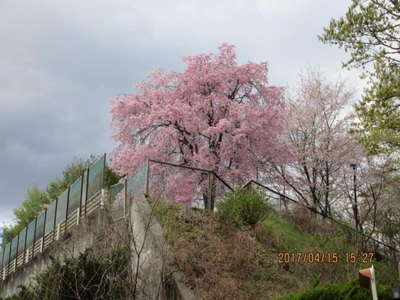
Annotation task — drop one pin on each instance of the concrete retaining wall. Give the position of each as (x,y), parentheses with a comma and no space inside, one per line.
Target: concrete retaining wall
(71,245)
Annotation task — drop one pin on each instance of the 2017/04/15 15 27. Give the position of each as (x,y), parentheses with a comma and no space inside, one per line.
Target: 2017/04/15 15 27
(329,257)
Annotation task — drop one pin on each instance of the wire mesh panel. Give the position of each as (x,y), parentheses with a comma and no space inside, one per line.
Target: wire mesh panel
(62,205)
(96,174)
(30,234)
(75,194)
(40,226)
(136,183)
(21,241)
(7,254)
(117,200)
(115,189)
(14,248)
(50,217)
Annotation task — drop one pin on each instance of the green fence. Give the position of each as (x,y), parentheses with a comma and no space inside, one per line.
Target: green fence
(77,201)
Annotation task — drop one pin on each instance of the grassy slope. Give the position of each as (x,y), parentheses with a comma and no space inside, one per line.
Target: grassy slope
(222,262)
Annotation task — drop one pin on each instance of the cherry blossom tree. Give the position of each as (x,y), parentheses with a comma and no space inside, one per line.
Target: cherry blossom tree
(371,182)
(215,115)
(317,133)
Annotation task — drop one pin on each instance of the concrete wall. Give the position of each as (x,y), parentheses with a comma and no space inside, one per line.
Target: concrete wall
(69,245)
(154,255)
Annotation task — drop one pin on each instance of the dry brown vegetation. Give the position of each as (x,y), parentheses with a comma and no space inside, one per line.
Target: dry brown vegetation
(225,262)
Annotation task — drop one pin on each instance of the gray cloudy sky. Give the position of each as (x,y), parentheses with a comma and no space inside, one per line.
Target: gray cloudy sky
(61,61)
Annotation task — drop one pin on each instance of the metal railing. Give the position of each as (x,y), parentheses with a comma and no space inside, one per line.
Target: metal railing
(155,179)
(368,239)
(196,187)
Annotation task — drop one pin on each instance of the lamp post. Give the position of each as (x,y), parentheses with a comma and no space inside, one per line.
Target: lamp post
(355,205)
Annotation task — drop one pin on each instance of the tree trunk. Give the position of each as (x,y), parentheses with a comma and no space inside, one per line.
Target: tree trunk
(209,194)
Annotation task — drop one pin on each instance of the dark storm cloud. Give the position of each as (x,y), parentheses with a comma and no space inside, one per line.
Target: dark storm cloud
(60,61)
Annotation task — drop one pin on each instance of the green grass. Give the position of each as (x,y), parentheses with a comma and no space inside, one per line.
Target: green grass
(241,263)
(287,235)
(340,291)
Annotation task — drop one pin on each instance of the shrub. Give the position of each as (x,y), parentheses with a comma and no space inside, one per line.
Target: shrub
(340,291)
(242,207)
(85,277)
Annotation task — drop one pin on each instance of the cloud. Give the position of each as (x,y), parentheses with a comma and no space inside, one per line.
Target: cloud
(62,60)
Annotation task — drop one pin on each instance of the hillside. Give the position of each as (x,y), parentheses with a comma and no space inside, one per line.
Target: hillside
(221,261)
(244,250)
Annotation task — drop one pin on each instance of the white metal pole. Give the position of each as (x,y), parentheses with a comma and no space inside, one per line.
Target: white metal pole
(373,284)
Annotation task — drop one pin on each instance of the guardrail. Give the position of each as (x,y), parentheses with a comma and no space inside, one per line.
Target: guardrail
(81,199)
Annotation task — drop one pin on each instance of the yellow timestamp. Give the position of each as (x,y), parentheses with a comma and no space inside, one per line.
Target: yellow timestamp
(325,257)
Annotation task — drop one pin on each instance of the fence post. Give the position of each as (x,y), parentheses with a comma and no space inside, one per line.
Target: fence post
(26,255)
(87,190)
(101,213)
(41,244)
(103,193)
(78,214)
(58,232)
(66,213)
(44,231)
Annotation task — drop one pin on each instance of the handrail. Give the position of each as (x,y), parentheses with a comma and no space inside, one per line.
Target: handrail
(319,213)
(192,168)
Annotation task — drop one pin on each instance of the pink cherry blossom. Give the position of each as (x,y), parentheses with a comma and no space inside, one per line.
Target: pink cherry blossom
(216,115)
